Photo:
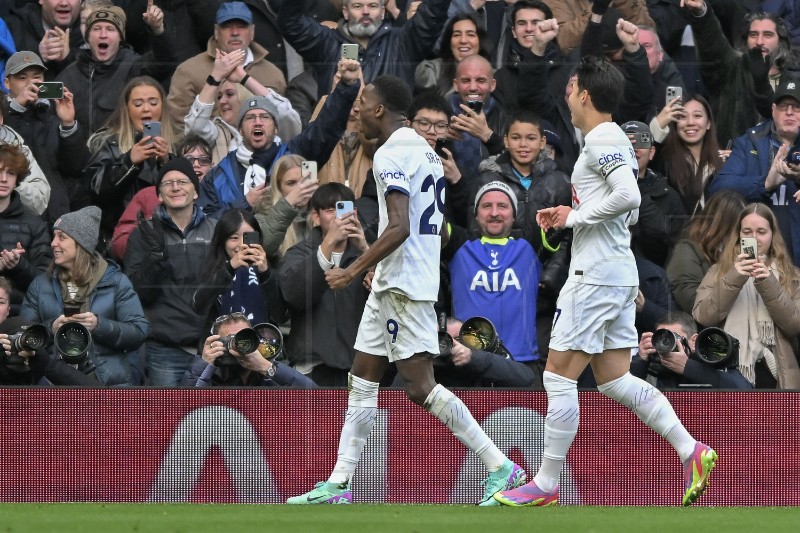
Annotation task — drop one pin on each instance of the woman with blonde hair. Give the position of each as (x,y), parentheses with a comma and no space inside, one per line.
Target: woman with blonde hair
(214,112)
(285,222)
(124,158)
(756,298)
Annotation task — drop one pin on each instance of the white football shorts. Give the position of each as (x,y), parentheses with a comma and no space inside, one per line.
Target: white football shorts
(396,327)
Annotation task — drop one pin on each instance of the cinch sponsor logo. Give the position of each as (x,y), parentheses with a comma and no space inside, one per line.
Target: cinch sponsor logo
(609,158)
(397,175)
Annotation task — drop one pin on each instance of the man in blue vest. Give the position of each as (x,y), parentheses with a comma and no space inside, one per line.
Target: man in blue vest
(496,276)
(241,179)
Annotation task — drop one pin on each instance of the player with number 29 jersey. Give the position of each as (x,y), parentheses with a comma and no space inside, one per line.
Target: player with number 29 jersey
(406,163)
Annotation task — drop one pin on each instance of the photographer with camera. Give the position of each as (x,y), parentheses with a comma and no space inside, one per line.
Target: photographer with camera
(222,365)
(681,367)
(461,365)
(24,361)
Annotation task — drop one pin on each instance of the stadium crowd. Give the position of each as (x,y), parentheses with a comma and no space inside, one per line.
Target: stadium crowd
(144,142)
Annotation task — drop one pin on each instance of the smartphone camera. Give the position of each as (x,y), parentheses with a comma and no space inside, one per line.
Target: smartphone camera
(251,237)
(442,143)
(793,158)
(475,105)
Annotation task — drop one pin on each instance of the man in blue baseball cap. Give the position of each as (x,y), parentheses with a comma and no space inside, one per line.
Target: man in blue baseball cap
(233,42)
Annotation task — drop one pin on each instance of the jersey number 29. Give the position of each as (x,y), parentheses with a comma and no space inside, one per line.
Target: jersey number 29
(433,216)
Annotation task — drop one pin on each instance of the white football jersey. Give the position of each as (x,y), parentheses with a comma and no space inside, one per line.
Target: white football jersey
(605,200)
(406,163)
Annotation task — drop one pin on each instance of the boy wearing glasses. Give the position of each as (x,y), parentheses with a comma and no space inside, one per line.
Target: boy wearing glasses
(163,260)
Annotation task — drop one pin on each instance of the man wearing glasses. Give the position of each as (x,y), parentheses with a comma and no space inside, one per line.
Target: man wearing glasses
(163,260)
(764,164)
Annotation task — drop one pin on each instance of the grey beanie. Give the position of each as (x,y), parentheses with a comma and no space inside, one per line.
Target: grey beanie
(496,186)
(257,102)
(83,226)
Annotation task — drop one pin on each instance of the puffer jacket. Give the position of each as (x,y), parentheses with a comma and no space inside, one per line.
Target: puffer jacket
(395,50)
(121,327)
(19,225)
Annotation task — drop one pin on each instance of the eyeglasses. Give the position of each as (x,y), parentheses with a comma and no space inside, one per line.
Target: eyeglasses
(171,183)
(263,117)
(784,106)
(425,125)
(202,161)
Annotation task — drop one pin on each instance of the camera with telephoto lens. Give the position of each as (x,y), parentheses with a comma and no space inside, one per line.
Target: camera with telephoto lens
(245,341)
(665,341)
(73,343)
(28,338)
(476,333)
(270,344)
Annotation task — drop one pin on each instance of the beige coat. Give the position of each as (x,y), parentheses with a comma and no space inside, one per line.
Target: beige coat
(191,75)
(715,299)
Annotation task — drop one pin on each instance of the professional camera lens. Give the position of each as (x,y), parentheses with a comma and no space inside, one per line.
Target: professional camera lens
(245,341)
(665,341)
(270,340)
(72,342)
(479,333)
(718,348)
(30,338)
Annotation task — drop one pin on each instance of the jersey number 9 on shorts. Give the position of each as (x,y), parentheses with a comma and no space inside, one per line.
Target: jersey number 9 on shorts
(433,216)
(391,329)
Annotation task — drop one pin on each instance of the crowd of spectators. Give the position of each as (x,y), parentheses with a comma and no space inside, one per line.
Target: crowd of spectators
(147,141)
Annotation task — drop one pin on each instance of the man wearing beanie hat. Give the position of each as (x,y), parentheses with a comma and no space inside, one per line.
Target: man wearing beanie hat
(100,73)
(241,179)
(496,276)
(50,28)
(163,259)
(85,288)
(661,213)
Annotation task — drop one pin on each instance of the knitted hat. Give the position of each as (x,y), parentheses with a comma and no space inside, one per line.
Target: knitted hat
(113,15)
(22,60)
(496,186)
(181,165)
(83,226)
(257,102)
(553,139)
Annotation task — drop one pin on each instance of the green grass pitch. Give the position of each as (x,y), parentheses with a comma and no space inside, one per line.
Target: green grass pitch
(197,518)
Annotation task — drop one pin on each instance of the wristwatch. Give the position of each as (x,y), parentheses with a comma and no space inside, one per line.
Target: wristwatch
(211,81)
(270,372)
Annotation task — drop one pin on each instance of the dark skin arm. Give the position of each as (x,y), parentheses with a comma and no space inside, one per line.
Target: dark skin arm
(394,235)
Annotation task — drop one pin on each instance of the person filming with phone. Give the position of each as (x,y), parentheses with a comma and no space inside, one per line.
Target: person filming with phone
(241,179)
(753,293)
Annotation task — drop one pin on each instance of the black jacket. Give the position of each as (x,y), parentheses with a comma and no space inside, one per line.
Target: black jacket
(661,218)
(166,285)
(97,87)
(391,50)
(25,25)
(62,159)
(324,322)
(18,225)
(201,374)
(46,370)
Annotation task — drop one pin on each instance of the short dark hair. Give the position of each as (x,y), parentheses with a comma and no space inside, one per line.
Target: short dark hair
(530,4)
(603,81)
(429,100)
(14,158)
(682,318)
(393,93)
(190,142)
(326,196)
(525,116)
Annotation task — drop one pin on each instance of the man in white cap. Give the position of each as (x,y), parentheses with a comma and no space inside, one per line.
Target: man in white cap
(496,276)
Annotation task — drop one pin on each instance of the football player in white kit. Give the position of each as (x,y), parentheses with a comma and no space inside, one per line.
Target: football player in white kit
(399,322)
(594,320)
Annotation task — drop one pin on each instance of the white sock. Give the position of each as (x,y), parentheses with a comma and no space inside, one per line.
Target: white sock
(653,409)
(362,403)
(448,408)
(560,427)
